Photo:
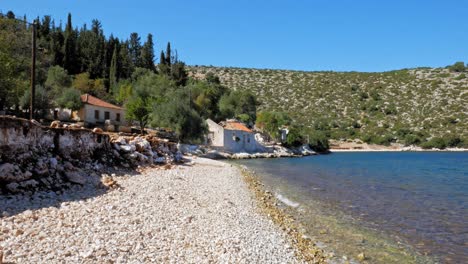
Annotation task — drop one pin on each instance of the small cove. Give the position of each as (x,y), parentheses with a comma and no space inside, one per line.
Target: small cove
(379,203)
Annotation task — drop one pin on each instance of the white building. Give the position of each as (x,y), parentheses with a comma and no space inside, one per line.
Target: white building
(232,136)
(95,112)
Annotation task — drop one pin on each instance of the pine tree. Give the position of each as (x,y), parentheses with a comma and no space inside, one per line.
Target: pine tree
(147,54)
(113,70)
(70,60)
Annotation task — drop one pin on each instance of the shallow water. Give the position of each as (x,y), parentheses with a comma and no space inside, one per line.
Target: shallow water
(418,198)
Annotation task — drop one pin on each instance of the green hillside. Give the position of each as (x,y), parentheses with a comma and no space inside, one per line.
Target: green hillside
(410,105)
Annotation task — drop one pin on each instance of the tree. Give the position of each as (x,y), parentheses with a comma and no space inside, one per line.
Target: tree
(70,59)
(235,103)
(138,109)
(147,54)
(41,101)
(124,63)
(176,114)
(57,80)
(70,99)
(113,70)
(458,66)
(163,65)
(135,49)
(168,59)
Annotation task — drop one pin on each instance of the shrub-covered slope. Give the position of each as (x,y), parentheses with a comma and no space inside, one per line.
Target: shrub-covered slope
(397,106)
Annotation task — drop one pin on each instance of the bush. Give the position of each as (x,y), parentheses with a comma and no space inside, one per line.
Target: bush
(411,139)
(458,66)
(318,141)
(434,143)
(294,138)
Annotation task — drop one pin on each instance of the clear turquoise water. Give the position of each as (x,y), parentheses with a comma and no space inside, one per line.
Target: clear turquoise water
(420,197)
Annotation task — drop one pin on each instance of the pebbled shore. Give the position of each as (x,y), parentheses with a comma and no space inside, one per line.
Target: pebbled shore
(198,213)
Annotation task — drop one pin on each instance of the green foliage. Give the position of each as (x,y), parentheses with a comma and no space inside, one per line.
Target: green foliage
(138,109)
(41,101)
(70,99)
(318,140)
(236,103)
(458,66)
(435,142)
(205,97)
(177,115)
(294,137)
(57,80)
(271,122)
(147,54)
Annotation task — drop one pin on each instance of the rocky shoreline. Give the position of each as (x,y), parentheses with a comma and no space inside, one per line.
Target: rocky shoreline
(201,211)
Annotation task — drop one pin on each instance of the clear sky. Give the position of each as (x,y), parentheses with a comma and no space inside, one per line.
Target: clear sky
(340,35)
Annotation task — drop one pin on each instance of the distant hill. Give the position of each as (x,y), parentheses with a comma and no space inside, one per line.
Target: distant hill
(410,104)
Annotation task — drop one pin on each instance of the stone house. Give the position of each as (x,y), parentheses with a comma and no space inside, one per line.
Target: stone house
(96,112)
(232,136)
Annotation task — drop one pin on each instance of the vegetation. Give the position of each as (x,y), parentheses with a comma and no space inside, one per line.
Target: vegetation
(76,60)
(408,106)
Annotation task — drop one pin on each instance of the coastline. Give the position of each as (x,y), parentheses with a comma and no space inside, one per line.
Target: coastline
(200,211)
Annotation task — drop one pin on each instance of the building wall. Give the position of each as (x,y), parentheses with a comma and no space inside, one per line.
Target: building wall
(87,114)
(239,141)
(215,134)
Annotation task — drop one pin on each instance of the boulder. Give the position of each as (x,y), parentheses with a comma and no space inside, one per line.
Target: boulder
(75,177)
(12,173)
(12,187)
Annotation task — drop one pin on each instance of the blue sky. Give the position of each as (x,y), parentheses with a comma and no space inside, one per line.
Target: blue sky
(346,35)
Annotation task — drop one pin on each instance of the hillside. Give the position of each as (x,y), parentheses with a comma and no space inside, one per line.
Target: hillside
(396,106)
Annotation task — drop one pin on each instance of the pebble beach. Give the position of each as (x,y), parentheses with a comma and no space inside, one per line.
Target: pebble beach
(200,212)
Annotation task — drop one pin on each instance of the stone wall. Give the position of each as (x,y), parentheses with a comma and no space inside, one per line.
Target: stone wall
(34,157)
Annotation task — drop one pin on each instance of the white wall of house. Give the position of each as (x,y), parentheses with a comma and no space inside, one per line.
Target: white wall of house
(239,141)
(231,140)
(88,114)
(215,134)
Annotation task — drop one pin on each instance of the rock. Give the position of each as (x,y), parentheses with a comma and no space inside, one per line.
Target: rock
(128,148)
(55,124)
(12,187)
(361,256)
(53,163)
(68,166)
(29,184)
(7,172)
(75,177)
(97,130)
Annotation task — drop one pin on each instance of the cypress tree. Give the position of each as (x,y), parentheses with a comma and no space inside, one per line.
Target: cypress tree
(147,54)
(162,58)
(124,63)
(168,54)
(113,70)
(70,62)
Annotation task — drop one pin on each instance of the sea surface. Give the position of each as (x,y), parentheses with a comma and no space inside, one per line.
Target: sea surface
(381,203)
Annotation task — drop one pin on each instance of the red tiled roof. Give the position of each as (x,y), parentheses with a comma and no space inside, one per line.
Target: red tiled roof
(89,99)
(234,125)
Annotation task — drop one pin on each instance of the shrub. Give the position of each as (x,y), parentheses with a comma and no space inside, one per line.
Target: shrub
(318,141)
(434,143)
(411,139)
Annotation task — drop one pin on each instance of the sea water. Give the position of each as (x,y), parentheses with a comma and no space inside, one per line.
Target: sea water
(385,204)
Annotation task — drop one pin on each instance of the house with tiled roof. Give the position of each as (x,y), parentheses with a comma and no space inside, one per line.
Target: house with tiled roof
(232,136)
(97,112)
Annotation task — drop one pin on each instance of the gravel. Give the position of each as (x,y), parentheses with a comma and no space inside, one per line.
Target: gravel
(202,212)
